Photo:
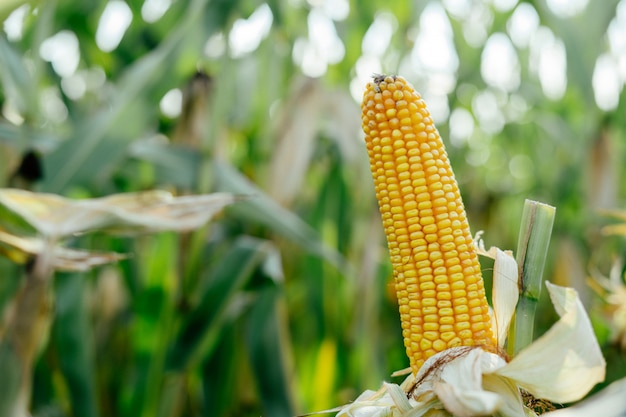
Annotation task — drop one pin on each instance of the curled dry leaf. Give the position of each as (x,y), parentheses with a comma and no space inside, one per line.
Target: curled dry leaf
(56,217)
(50,214)
(172,213)
(21,249)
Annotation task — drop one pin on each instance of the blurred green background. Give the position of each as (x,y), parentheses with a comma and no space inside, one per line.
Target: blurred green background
(284,304)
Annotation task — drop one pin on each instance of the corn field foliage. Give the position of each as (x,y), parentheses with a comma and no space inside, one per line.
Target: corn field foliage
(283,303)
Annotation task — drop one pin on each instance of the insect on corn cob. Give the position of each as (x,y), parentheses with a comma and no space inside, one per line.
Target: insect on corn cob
(437,276)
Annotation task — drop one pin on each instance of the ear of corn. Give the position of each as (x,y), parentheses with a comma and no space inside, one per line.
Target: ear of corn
(437,274)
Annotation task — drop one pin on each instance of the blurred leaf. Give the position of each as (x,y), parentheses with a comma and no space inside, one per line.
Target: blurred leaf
(53,215)
(26,329)
(219,373)
(56,216)
(262,209)
(22,249)
(180,213)
(64,163)
(152,326)
(614,229)
(18,85)
(267,344)
(297,134)
(170,401)
(200,332)
(173,164)
(73,338)
(25,137)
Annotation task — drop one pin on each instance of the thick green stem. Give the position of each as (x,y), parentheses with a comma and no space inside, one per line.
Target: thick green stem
(532,250)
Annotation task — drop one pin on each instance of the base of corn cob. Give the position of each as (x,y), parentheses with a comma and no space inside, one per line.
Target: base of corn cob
(437,274)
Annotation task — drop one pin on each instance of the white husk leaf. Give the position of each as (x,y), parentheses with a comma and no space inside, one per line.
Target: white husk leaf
(505,288)
(610,402)
(399,397)
(455,377)
(566,362)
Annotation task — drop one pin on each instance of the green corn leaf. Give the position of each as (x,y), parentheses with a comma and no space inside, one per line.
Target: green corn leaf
(73,337)
(268,348)
(262,209)
(200,331)
(154,311)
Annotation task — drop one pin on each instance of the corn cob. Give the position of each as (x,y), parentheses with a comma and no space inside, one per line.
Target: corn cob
(437,275)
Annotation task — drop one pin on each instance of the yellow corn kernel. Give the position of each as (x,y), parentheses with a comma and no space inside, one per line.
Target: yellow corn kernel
(425,222)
